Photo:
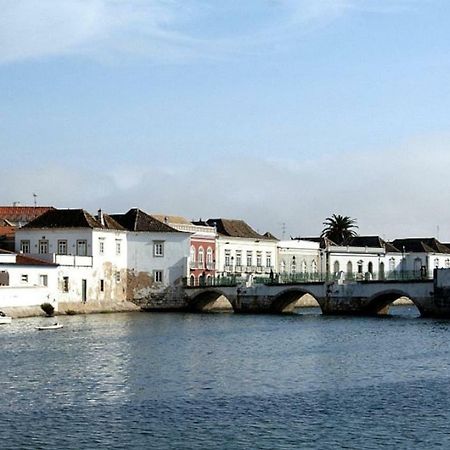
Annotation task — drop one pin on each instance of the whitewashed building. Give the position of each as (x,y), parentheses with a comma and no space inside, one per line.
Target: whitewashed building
(157,253)
(241,251)
(91,253)
(26,281)
(299,258)
(420,256)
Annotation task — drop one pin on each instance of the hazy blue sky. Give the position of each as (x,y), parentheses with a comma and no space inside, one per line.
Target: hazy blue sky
(268,110)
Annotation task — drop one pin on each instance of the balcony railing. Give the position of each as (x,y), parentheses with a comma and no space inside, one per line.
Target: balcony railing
(65,260)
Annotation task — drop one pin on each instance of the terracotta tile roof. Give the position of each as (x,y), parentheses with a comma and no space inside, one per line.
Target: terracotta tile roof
(137,220)
(171,219)
(24,260)
(22,214)
(235,228)
(71,218)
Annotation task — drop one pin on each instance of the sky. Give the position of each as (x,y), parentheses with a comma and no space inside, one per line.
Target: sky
(277,112)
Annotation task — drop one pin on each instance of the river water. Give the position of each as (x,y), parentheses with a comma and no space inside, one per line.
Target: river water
(226,381)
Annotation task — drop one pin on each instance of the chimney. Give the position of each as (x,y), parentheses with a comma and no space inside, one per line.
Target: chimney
(100,217)
(166,220)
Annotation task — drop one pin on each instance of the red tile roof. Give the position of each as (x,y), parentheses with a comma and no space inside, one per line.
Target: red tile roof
(22,214)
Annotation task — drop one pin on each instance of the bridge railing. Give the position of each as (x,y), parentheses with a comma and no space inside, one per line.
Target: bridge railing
(219,281)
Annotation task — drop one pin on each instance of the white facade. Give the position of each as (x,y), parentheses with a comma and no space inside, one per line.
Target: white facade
(353,262)
(297,256)
(92,262)
(24,284)
(244,256)
(157,259)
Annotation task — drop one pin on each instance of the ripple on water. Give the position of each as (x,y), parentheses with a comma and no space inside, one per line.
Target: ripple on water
(225,381)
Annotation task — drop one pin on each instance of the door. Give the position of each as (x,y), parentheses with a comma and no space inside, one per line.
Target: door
(84,290)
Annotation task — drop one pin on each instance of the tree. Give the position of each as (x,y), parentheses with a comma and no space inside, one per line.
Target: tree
(339,229)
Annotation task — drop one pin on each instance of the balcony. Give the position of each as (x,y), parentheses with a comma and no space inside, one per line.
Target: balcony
(65,260)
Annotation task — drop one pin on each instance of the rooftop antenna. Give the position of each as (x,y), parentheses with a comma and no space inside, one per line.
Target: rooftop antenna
(283,230)
(35,199)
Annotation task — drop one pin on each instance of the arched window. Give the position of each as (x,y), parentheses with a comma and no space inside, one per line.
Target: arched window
(192,256)
(370,267)
(209,258)
(391,264)
(381,276)
(349,268)
(192,280)
(314,267)
(360,266)
(201,258)
(304,266)
(283,266)
(336,267)
(417,266)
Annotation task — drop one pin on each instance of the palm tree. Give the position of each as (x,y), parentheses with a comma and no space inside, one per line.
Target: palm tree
(339,229)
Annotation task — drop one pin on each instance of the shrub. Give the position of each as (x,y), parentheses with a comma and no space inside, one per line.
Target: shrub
(70,312)
(48,309)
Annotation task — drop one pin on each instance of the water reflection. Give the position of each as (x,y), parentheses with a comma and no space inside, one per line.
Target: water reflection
(226,381)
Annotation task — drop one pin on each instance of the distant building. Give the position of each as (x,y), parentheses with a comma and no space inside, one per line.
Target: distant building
(14,217)
(421,256)
(242,251)
(202,253)
(300,258)
(157,253)
(91,253)
(26,281)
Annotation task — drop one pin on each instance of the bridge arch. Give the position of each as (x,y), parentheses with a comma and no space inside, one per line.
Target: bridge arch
(210,300)
(380,302)
(287,300)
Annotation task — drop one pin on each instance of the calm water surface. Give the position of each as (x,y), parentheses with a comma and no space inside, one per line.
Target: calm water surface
(226,381)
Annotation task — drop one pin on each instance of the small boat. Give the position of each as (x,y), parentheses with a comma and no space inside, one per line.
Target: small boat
(55,326)
(4,318)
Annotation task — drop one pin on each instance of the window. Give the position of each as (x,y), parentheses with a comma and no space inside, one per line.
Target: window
(82,247)
(391,264)
(304,267)
(268,259)
(43,280)
(349,268)
(209,258)
(283,266)
(314,267)
(65,285)
(102,285)
(447,263)
(158,276)
(249,258)
(62,247)
(259,259)
(24,278)
(25,246)
(101,246)
(238,257)
(227,257)
(192,253)
(370,268)
(158,248)
(336,267)
(43,246)
(201,258)
(360,266)
(118,246)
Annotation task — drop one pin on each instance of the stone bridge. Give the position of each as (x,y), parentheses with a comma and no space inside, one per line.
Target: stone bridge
(431,297)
